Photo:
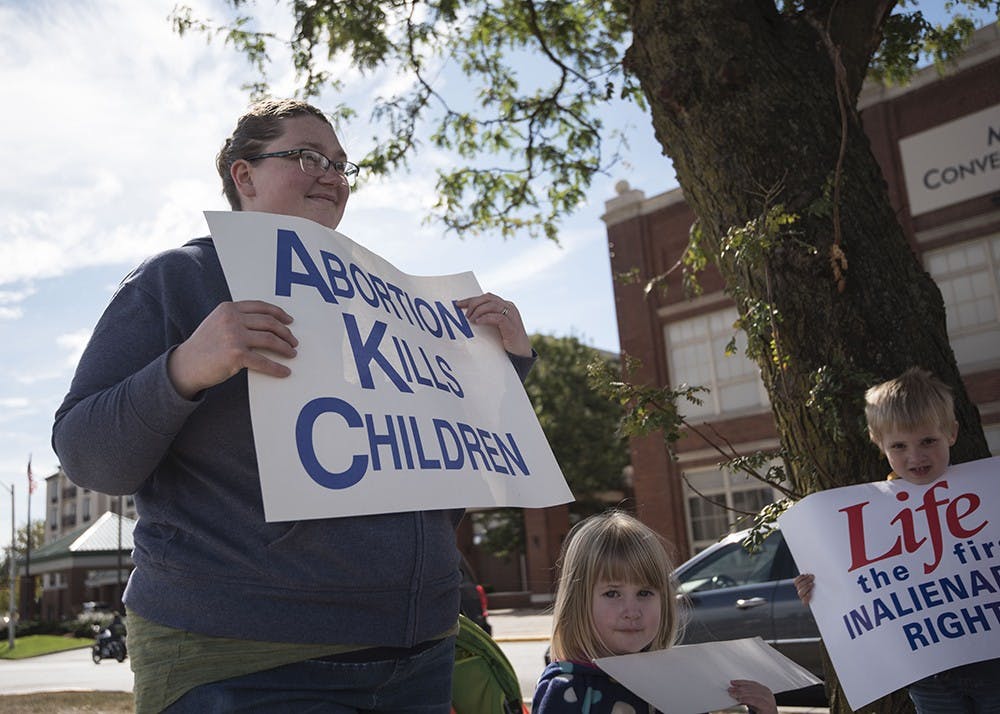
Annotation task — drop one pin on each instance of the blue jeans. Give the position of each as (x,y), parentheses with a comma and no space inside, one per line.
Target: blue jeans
(414,684)
(969,689)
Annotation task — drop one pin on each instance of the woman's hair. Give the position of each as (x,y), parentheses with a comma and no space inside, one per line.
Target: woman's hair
(912,400)
(611,546)
(260,125)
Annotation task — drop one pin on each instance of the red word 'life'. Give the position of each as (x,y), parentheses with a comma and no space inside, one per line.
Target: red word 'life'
(956,510)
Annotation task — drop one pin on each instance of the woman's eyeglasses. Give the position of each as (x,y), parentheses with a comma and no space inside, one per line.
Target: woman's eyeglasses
(314,163)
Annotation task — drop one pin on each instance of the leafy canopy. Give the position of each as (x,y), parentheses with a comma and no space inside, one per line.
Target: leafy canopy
(516,88)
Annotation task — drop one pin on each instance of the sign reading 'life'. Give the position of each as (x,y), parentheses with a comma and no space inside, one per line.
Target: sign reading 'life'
(907,576)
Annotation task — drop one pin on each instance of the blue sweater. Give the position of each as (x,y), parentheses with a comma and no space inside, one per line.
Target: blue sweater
(205,559)
(579,688)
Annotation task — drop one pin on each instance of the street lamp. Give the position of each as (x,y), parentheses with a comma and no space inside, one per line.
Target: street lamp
(118,605)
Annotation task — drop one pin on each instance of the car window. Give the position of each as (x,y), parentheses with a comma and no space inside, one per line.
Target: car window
(732,566)
(784,565)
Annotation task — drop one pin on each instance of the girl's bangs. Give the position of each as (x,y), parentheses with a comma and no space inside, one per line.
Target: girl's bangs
(634,563)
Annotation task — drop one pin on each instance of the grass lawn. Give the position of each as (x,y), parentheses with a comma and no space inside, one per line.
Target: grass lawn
(34,645)
(67,703)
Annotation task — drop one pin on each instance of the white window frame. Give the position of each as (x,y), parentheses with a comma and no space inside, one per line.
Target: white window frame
(731,484)
(958,335)
(706,338)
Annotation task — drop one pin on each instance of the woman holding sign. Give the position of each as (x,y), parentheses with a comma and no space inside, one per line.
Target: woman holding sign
(227,611)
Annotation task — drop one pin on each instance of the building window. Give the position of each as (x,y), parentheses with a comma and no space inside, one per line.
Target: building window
(86,510)
(968,275)
(708,520)
(696,349)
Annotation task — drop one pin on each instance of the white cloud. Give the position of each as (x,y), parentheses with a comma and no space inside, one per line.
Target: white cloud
(107,131)
(73,343)
(15,409)
(15,296)
(10,307)
(29,379)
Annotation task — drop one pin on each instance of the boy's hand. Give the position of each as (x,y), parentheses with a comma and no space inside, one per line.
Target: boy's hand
(804,587)
(754,695)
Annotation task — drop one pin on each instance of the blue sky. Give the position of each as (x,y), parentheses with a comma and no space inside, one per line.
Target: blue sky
(111,125)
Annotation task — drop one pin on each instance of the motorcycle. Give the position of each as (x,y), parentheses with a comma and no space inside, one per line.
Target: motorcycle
(108,646)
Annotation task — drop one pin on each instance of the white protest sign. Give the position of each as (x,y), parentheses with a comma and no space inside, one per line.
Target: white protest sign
(688,679)
(907,576)
(395,402)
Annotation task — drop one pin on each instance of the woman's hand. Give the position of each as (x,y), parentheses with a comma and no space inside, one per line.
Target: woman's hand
(804,586)
(489,309)
(228,340)
(754,695)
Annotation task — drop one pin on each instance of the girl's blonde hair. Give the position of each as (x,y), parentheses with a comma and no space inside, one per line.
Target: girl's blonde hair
(611,546)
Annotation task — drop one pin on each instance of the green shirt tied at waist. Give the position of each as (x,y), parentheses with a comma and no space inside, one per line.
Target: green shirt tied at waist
(168,662)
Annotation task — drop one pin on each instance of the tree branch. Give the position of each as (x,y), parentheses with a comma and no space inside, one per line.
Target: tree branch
(855,28)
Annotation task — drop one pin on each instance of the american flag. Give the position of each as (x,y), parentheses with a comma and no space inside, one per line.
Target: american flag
(31,480)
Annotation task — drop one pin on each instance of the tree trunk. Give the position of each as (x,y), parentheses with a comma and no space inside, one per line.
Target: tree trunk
(745,102)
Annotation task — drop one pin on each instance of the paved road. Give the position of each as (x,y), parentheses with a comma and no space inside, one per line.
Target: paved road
(70,670)
(523,637)
(75,670)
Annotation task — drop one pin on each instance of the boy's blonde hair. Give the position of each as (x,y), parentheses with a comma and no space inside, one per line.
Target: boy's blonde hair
(611,546)
(914,399)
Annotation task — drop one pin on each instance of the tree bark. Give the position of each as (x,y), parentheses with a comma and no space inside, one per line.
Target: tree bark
(745,101)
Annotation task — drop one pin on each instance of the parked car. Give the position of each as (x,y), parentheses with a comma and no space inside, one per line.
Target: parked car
(732,594)
(475,604)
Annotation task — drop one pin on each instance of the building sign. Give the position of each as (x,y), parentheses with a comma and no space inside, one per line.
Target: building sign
(396,402)
(952,162)
(907,576)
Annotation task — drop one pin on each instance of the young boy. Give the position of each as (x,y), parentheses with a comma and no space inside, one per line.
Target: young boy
(912,421)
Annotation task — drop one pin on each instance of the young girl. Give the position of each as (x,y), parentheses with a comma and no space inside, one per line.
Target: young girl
(614,597)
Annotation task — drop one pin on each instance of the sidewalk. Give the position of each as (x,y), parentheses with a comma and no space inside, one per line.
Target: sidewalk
(516,625)
(524,634)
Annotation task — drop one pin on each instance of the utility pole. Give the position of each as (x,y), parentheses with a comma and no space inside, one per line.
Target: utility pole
(11,569)
(29,603)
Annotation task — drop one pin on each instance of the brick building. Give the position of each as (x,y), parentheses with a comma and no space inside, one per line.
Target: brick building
(80,559)
(89,564)
(68,507)
(938,142)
